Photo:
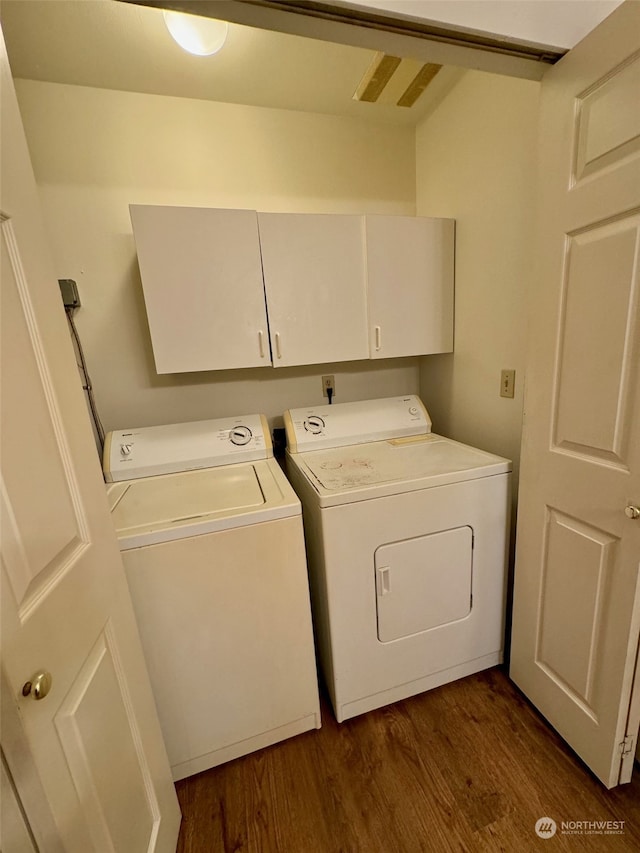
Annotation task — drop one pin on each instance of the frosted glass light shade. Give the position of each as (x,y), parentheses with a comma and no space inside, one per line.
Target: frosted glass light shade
(201,36)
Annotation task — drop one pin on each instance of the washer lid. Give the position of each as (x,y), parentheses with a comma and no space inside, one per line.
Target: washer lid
(346,474)
(177,506)
(175,498)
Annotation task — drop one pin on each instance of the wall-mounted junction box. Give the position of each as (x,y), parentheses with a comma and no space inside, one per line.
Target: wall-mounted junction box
(69,291)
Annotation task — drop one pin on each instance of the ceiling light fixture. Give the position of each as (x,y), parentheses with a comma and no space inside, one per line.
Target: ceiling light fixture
(200,36)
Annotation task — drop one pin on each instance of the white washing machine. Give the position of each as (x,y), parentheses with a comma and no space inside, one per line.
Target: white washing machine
(212,542)
(407,537)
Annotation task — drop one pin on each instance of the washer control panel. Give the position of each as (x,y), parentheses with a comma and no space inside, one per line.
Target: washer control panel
(166,449)
(355,423)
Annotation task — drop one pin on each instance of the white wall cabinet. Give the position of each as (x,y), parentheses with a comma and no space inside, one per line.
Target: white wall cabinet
(334,287)
(202,279)
(314,277)
(410,273)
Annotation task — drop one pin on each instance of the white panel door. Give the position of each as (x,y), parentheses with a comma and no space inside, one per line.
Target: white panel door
(202,281)
(314,279)
(94,738)
(576,615)
(410,271)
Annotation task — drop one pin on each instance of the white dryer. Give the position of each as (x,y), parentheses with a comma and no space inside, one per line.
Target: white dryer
(212,542)
(407,537)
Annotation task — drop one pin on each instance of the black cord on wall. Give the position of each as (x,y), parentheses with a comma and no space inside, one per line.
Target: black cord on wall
(86,381)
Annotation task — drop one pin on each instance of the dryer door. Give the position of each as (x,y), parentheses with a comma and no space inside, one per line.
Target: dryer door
(424,582)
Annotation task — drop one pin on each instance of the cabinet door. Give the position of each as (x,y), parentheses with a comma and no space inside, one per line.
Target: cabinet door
(203,290)
(410,285)
(315,284)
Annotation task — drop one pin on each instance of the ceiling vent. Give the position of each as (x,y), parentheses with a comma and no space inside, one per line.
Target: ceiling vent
(410,81)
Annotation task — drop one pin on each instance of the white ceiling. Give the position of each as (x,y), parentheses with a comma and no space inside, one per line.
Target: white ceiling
(113,45)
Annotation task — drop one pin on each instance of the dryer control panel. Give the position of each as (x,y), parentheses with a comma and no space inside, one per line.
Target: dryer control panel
(167,449)
(342,424)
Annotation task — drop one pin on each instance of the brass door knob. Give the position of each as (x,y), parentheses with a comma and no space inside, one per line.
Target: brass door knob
(38,685)
(632,511)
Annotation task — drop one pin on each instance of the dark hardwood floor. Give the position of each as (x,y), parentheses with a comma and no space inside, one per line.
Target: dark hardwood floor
(470,766)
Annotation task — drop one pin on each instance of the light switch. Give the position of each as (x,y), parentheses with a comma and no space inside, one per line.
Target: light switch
(507,383)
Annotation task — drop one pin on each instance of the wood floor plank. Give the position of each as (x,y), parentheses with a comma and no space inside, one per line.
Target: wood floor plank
(397,795)
(470,766)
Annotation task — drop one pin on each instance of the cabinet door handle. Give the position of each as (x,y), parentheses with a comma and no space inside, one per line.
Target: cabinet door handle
(277,337)
(261,343)
(378,338)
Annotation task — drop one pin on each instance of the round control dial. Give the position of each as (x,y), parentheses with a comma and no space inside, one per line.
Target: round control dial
(314,424)
(240,435)
(125,449)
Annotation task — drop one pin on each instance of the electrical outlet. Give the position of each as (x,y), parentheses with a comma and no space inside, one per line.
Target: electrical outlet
(507,383)
(328,382)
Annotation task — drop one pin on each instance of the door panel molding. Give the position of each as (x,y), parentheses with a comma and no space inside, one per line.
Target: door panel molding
(47,530)
(568,624)
(605,134)
(101,683)
(591,406)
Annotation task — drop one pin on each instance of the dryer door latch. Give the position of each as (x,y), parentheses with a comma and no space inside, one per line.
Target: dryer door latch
(382,580)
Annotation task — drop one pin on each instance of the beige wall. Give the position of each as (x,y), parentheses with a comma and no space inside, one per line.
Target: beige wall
(475,161)
(96,151)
